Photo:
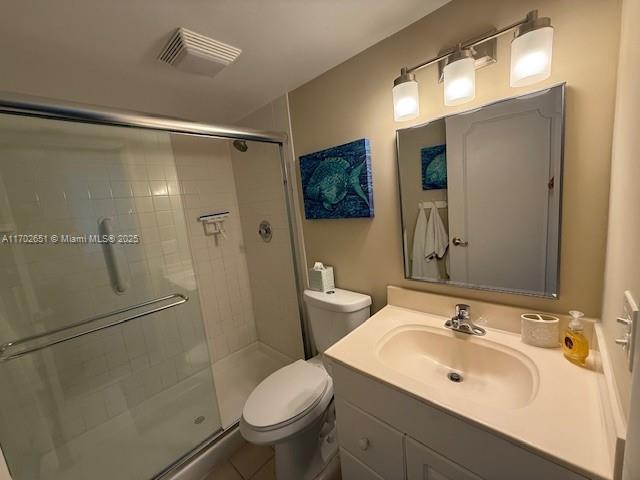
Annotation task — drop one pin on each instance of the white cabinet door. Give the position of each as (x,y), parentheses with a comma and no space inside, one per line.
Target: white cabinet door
(371,441)
(352,469)
(425,464)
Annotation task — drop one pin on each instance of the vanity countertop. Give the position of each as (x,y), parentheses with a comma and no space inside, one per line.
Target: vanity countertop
(562,420)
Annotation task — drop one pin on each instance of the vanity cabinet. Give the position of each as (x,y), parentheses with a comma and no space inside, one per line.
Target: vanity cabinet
(353,468)
(385,433)
(425,464)
(372,442)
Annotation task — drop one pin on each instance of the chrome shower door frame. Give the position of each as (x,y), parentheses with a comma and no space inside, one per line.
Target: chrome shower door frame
(17,104)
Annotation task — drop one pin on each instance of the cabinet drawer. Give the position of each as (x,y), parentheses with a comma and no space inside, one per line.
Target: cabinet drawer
(371,441)
(352,469)
(425,464)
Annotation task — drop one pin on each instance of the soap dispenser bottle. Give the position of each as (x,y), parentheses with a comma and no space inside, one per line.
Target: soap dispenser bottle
(575,345)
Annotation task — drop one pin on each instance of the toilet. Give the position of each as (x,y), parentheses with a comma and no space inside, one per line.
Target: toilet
(292,408)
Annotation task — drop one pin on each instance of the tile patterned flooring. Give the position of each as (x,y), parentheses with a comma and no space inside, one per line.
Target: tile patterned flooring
(250,462)
(253,462)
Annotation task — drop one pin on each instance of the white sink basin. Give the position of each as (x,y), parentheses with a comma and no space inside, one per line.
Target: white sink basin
(456,364)
(517,391)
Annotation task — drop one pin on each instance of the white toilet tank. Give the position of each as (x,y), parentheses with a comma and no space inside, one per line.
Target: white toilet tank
(334,314)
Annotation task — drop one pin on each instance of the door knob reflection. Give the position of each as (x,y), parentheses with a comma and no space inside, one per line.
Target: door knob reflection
(458,242)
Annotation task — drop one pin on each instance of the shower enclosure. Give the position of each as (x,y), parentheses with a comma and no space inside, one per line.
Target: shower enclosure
(148,284)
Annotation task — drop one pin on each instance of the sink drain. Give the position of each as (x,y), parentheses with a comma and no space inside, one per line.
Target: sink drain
(198,420)
(455,377)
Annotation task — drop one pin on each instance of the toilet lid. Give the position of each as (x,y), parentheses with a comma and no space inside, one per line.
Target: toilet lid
(285,394)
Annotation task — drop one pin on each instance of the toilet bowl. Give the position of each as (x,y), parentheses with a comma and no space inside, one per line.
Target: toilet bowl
(292,409)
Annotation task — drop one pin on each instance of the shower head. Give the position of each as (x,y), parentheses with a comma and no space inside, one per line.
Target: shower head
(240,145)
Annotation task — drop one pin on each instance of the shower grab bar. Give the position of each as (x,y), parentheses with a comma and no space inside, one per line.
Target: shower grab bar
(112,256)
(5,348)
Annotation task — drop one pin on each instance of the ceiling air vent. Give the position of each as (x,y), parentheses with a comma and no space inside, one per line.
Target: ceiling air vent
(191,52)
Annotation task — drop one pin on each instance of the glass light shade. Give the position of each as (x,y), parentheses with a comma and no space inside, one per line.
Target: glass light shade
(406,102)
(531,57)
(460,81)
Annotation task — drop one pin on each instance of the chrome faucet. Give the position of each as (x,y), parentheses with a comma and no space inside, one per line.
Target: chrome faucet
(461,321)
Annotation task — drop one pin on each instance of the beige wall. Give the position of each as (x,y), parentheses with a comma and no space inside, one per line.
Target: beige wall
(623,243)
(413,141)
(353,101)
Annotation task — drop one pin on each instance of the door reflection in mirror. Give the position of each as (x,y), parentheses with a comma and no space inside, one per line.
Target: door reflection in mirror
(481,195)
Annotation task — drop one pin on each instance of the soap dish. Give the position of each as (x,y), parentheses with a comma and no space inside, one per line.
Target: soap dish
(540,330)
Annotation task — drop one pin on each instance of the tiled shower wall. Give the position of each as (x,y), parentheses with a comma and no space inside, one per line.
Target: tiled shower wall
(261,194)
(61,178)
(207,182)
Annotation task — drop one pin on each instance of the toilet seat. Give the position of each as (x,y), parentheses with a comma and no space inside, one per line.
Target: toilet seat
(286,402)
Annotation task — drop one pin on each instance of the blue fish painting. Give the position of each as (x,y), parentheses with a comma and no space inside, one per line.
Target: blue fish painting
(434,167)
(336,182)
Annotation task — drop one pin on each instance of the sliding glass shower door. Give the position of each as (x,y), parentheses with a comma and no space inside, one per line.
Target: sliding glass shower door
(104,366)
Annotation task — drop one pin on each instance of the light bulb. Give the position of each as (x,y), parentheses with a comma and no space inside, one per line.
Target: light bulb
(531,55)
(459,81)
(406,102)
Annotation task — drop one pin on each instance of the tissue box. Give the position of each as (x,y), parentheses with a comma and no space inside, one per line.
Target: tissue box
(321,278)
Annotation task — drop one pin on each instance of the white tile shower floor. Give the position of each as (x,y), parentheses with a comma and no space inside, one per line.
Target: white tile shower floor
(155,429)
(160,430)
(236,376)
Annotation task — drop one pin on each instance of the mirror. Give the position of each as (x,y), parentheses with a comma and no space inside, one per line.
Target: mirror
(481,196)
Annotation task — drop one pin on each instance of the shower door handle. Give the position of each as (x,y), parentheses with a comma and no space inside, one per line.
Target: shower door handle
(111,255)
(6,348)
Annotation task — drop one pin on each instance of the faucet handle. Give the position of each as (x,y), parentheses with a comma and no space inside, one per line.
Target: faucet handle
(461,322)
(463,310)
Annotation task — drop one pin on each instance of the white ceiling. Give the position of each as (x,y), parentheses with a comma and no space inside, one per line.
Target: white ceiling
(104,51)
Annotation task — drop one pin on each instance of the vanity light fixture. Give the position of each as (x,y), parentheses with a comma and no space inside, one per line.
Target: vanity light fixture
(406,103)
(460,77)
(531,52)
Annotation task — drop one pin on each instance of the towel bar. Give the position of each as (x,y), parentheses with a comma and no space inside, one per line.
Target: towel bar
(5,348)
(437,203)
